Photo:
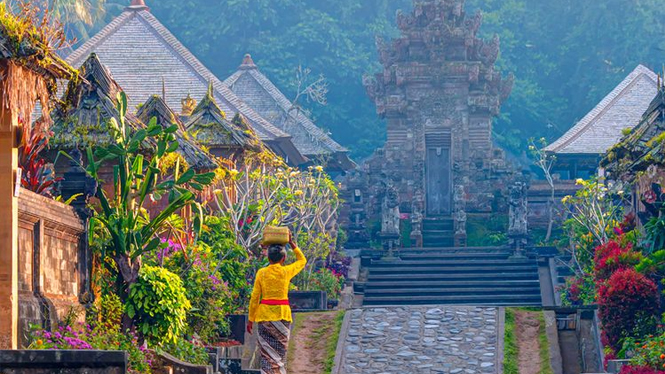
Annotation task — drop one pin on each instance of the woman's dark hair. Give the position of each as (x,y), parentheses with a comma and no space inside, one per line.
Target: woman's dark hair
(276,253)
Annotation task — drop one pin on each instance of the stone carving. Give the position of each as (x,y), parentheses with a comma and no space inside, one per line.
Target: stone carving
(390,211)
(517,217)
(518,209)
(460,215)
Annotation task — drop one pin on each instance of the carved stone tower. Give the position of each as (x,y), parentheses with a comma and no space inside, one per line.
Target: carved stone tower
(439,92)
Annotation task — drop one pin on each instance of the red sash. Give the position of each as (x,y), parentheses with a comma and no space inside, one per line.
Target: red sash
(274,302)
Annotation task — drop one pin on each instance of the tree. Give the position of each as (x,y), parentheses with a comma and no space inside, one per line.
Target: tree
(545,161)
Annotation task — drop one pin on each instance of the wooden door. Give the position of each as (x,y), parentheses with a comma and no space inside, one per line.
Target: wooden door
(439,181)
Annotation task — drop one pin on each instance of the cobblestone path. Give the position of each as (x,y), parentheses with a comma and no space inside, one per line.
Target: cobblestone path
(421,340)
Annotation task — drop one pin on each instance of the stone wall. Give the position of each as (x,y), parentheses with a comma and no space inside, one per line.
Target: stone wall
(539,196)
(52,266)
(63,362)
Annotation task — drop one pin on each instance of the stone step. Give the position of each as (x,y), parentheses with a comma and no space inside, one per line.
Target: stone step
(459,262)
(387,284)
(438,224)
(430,291)
(452,249)
(438,243)
(495,300)
(447,276)
(462,257)
(454,269)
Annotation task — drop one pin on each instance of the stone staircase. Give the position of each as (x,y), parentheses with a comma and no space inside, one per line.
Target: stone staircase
(438,232)
(483,276)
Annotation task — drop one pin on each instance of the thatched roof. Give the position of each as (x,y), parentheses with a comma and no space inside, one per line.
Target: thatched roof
(210,127)
(28,66)
(643,146)
(20,42)
(89,103)
(190,150)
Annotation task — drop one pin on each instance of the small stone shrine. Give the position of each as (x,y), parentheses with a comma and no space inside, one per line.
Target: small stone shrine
(438,92)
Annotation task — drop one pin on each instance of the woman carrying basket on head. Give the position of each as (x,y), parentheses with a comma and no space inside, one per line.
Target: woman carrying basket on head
(269,306)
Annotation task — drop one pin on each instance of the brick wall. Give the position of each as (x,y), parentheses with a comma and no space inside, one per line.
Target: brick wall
(51,261)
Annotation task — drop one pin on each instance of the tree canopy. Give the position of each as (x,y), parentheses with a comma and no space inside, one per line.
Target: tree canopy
(566,54)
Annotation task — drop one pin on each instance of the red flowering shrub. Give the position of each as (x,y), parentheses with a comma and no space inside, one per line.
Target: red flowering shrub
(627,305)
(613,256)
(639,370)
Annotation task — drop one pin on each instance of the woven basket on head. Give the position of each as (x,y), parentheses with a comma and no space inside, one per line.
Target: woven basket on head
(275,235)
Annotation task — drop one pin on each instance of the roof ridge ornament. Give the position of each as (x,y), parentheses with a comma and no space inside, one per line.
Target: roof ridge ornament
(248,63)
(137,5)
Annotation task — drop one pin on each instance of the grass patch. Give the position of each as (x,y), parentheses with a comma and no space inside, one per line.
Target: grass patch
(510,358)
(331,346)
(543,343)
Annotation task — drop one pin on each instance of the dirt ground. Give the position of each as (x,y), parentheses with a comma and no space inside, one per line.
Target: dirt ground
(527,327)
(307,351)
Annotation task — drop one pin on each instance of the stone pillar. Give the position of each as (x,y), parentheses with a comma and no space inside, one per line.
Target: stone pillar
(8,229)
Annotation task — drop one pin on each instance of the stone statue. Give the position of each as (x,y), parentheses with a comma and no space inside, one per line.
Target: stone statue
(459,201)
(518,210)
(517,224)
(390,210)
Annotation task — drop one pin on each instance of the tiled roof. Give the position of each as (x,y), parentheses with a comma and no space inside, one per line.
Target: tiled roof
(145,57)
(622,109)
(255,89)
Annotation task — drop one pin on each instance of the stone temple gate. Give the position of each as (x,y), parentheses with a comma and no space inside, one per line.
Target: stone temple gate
(438,93)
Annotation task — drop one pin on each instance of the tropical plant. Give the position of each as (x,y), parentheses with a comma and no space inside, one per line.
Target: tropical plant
(613,256)
(596,207)
(266,192)
(187,351)
(97,336)
(212,299)
(627,304)
(646,354)
(36,174)
(159,305)
(122,222)
(325,280)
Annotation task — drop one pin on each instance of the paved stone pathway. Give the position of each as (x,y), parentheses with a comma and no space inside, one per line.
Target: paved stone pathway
(421,340)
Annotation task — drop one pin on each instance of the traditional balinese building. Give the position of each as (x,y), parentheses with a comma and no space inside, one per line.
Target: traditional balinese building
(146,59)
(638,160)
(229,139)
(89,103)
(580,149)
(438,92)
(255,89)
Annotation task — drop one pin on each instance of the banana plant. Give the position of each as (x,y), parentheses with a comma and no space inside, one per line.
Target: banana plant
(137,180)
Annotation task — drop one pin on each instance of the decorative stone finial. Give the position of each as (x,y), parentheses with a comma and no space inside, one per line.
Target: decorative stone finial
(188,105)
(137,5)
(248,63)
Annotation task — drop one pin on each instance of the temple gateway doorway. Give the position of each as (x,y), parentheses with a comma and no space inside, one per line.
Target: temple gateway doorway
(438,175)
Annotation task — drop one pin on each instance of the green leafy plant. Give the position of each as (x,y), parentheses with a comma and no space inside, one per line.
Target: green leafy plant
(122,217)
(325,280)
(186,351)
(159,305)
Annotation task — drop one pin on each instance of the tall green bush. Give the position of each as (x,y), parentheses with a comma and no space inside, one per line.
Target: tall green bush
(159,305)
